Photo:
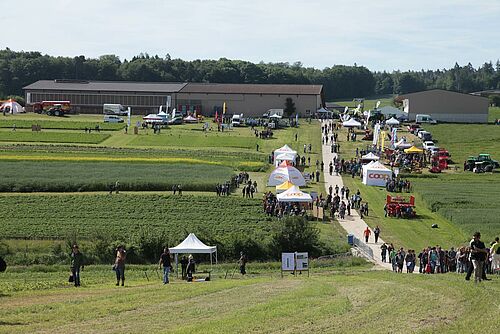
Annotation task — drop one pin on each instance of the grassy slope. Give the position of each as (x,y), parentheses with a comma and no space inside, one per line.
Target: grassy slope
(352,302)
(52,137)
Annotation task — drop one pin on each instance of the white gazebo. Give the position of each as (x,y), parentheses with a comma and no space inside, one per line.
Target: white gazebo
(294,194)
(190,119)
(285,157)
(286,173)
(285,149)
(152,118)
(351,123)
(193,245)
(392,122)
(370,157)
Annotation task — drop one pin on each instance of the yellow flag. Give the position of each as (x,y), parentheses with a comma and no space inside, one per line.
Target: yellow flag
(382,140)
(224,108)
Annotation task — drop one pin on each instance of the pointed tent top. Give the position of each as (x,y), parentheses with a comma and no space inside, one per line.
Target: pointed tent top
(192,245)
(392,121)
(293,194)
(285,148)
(370,156)
(378,165)
(351,123)
(286,157)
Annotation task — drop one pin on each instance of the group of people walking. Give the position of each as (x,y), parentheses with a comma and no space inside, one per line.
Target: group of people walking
(474,259)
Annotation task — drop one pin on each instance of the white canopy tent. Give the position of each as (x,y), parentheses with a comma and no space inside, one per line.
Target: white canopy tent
(370,157)
(193,245)
(285,157)
(376,174)
(11,107)
(402,144)
(393,112)
(190,119)
(294,194)
(286,173)
(152,118)
(351,123)
(392,122)
(284,149)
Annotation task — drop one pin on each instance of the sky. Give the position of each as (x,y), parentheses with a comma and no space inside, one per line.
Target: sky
(379,34)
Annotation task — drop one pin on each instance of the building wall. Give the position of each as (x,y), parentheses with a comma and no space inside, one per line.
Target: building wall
(445,106)
(250,105)
(92,102)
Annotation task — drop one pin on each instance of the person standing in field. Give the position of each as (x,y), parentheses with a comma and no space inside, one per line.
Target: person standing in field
(367,233)
(376,233)
(243,263)
(478,256)
(383,253)
(184,263)
(76,264)
(121,256)
(167,264)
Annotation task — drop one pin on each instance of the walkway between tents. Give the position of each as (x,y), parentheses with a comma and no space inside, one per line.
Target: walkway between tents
(353,224)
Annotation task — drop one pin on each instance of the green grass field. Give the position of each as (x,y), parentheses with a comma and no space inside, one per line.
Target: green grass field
(57,124)
(52,137)
(72,176)
(344,301)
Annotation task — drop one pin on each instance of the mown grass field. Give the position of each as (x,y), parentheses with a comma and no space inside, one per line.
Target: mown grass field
(39,175)
(346,301)
(52,137)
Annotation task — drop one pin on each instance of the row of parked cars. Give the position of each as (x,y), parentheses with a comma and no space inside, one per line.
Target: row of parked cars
(425,136)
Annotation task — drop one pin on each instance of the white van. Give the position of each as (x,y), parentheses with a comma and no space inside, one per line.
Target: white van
(421,118)
(237,120)
(113,119)
(114,109)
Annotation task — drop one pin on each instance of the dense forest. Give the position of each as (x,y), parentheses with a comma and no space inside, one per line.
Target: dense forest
(18,69)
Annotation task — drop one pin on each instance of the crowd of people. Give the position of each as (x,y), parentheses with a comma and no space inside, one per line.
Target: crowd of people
(273,208)
(475,258)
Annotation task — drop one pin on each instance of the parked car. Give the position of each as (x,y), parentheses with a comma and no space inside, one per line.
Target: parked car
(428,145)
(113,119)
(421,118)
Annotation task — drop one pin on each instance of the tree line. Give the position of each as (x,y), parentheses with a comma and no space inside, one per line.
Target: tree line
(19,69)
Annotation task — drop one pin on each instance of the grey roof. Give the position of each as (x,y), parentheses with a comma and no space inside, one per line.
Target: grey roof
(216,88)
(442,91)
(110,86)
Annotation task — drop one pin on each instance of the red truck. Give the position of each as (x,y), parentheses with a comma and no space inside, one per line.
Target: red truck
(52,108)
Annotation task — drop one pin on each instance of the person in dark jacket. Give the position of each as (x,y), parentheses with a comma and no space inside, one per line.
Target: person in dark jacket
(167,264)
(191,268)
(184,264)
(76,264)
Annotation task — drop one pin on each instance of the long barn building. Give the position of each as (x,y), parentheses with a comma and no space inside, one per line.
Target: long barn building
(205,98)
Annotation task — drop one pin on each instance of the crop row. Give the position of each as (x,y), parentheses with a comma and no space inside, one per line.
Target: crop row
(69,176)
(52,137)
(59,125)
(54,216)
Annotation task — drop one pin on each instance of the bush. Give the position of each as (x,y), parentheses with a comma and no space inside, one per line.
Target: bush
(296,234)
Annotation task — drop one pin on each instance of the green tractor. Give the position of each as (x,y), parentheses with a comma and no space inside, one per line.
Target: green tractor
(482,163)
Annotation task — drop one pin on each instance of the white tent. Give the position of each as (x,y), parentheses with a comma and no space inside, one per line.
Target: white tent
(11,107)
(293,194)
(402,144)
(152,118)
(190,119)
(285,157)
(370,156)
(285,149)
(392,122)
(376,174)
(351,123)
(193,245)
(286,173)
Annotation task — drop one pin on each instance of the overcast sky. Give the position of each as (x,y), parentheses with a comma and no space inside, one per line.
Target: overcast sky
(379,34)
